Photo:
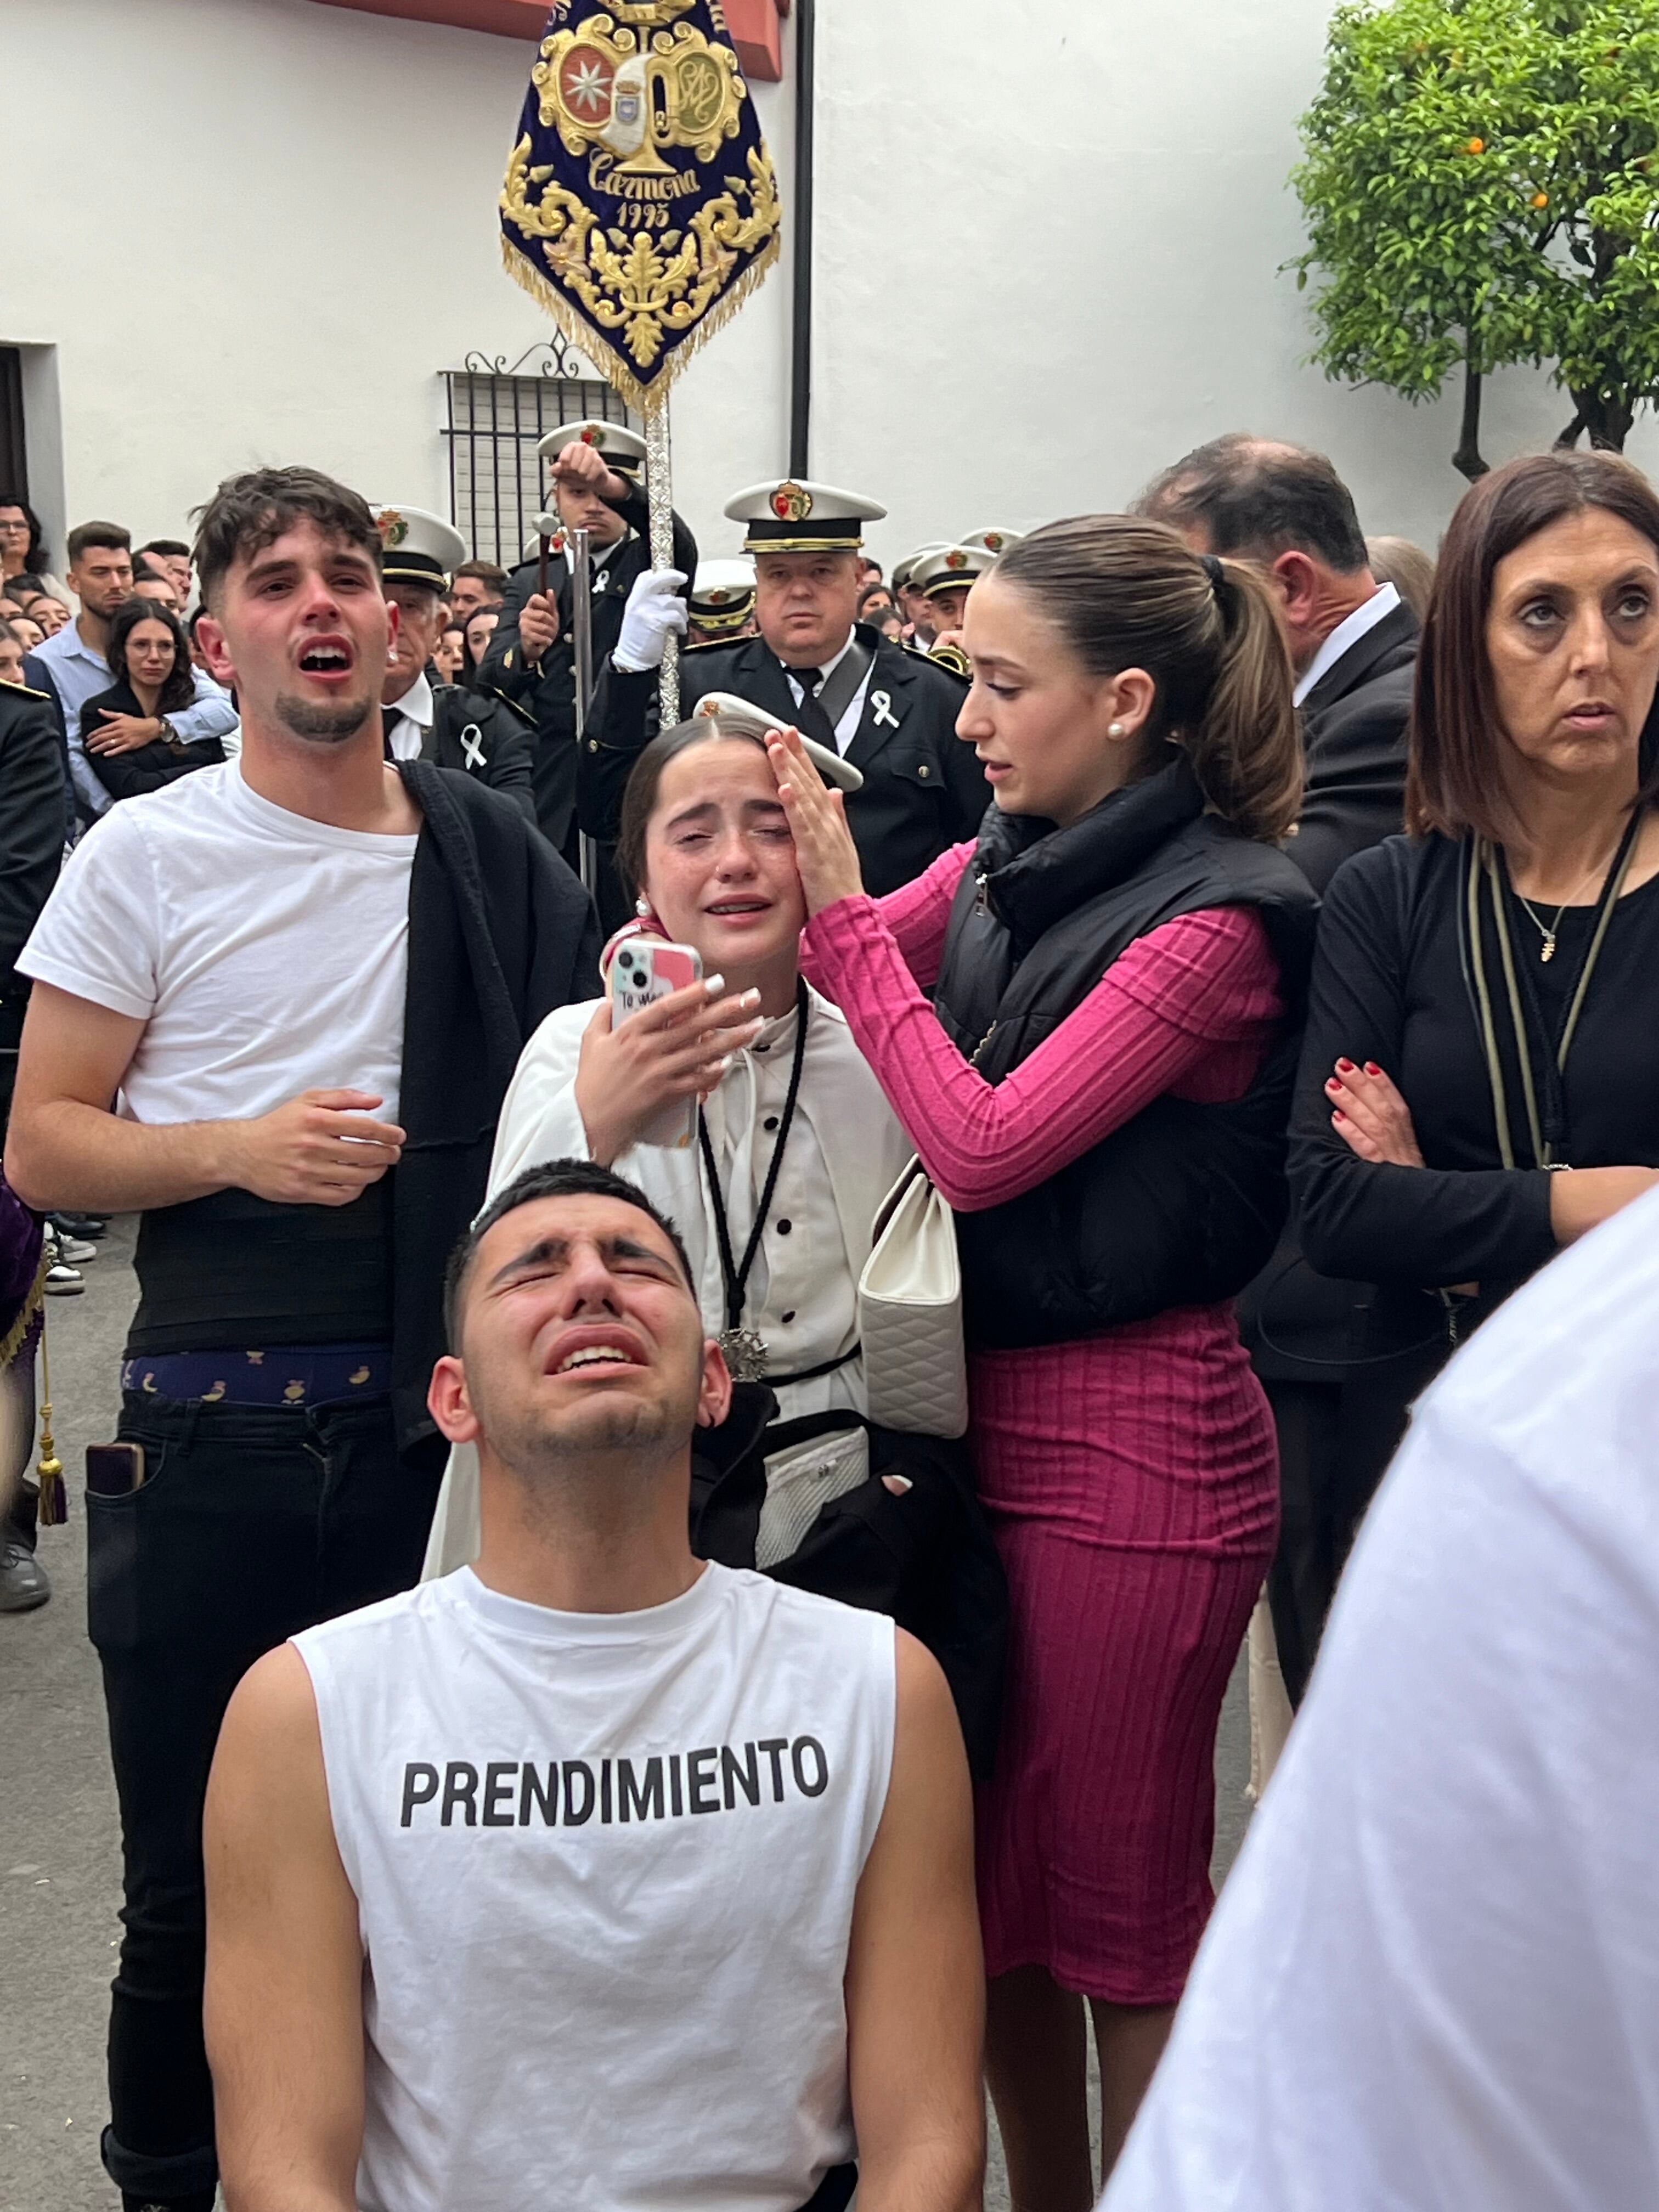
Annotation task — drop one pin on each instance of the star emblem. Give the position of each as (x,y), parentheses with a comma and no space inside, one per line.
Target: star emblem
(587,86)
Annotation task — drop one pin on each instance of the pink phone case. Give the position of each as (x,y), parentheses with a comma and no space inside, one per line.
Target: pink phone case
(645,969)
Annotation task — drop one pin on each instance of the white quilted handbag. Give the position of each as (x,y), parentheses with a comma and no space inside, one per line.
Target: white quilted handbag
(910,1314)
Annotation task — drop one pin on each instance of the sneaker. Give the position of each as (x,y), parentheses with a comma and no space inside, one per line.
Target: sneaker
(93,1225)
(23,1584)
(74,1251)
(64,1282)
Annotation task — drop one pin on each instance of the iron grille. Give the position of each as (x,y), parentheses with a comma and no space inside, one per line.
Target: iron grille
(495,415)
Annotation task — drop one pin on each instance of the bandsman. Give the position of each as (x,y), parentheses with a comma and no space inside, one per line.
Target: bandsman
(424,718)
(722,602)
(598,485)
(889,713)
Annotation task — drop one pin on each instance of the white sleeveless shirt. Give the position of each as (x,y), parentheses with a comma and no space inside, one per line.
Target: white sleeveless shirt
(605,1866)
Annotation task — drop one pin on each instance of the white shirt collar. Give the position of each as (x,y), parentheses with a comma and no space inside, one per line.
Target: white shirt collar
(829,667)
(1363,619)
(416,703)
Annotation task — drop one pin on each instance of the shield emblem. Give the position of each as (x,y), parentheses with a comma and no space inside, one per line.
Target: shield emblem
(587,77)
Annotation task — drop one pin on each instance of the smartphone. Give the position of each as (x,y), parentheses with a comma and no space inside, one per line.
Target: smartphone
(114,1470)
(645,969)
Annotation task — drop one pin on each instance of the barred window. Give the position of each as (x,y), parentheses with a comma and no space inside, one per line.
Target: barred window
(495,418)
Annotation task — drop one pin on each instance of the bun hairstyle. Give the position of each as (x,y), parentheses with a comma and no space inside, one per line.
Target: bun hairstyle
(1129,593)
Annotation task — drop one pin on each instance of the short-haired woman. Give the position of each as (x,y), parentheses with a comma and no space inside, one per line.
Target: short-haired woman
(1099,1084)
(148,656)
(1480,1080)
(23,552)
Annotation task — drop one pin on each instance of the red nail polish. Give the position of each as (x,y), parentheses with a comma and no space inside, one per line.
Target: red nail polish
(1371,1068)
(1332,1084)
(1346,1066)
(1338,1117)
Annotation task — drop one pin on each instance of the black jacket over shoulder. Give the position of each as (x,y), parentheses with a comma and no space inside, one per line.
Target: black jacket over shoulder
(923,789)
(926,1559)
(124,775)
(546,690)
(500,934)
(33,818)
(1180,1207)
(1353,731)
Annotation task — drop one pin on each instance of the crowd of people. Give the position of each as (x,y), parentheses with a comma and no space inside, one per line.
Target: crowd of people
(1204,947)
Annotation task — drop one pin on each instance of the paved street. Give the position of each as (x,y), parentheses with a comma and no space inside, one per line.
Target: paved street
(59,1855)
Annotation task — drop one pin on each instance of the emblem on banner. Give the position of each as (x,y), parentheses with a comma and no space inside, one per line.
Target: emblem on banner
(639,203)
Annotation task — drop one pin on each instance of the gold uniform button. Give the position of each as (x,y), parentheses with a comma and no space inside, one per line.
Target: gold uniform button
(922,770)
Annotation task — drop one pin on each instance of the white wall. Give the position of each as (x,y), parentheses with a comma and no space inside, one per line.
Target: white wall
(1049,238)
(265,227)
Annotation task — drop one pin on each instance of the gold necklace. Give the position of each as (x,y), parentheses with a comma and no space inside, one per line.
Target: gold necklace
(1548,932)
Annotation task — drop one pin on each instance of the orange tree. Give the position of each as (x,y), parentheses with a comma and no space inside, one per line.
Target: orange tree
(1481,188)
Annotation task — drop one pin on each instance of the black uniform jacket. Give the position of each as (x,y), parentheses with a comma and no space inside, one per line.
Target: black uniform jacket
(1354,729)
(33,817)
(1301,1327)
(486,736)
(923,789)
(546,692)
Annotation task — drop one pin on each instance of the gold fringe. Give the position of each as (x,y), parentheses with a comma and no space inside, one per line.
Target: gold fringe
(613,366)
(12,1343)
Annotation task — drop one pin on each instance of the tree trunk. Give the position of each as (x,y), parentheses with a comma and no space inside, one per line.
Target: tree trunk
(1467,460)
(1608,417)
(1569,438)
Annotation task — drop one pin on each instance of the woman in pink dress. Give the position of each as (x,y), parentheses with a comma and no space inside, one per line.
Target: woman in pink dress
(1086,1022)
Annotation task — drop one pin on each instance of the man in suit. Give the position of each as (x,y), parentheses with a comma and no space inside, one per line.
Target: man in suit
(891,714)
(1354,643)
(597,486)
(449,724)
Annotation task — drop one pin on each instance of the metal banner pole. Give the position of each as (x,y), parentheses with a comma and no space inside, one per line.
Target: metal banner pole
(660,493)
(581,643)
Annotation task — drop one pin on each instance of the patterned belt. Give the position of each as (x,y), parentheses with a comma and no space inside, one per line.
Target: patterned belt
(297,1375)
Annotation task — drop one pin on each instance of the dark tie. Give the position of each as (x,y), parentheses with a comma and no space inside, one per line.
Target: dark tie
(810,718)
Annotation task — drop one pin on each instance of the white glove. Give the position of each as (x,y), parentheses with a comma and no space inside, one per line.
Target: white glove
(653,610)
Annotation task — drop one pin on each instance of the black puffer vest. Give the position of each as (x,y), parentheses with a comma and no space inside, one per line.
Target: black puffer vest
(1181,1206)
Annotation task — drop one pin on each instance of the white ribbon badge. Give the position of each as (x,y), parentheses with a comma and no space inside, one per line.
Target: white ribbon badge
(472,751)
(883,703)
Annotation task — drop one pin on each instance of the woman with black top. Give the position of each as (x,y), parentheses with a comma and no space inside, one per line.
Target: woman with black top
(149,659)
(1479,1085)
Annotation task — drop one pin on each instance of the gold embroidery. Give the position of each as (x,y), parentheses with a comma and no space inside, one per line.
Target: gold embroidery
(212,1397)
(361,1375)
(293,1392)
(256,1359)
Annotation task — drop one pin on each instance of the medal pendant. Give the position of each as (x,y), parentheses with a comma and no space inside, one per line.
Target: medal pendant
(745,1353)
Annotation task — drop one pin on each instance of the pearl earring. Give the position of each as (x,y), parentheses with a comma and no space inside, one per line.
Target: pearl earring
(643,908)
(1115,729)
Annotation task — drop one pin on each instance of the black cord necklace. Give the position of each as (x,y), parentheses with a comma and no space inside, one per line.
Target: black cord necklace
(745,1348)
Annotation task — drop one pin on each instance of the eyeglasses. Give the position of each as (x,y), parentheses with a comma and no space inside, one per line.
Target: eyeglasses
(16,529)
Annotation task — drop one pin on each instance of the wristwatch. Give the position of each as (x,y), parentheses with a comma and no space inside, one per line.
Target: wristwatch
(169,736)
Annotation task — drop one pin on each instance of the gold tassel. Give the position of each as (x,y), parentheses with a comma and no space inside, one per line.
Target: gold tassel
(613,366)
(54,1499)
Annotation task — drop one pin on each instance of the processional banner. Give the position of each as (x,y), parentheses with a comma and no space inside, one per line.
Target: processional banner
(640,206)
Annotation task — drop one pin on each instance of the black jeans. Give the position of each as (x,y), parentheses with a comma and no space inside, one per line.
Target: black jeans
(253,1523)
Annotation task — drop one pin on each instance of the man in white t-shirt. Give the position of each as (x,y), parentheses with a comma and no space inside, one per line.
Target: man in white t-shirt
(276,1007)
(592,1874)
(1432,1981)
